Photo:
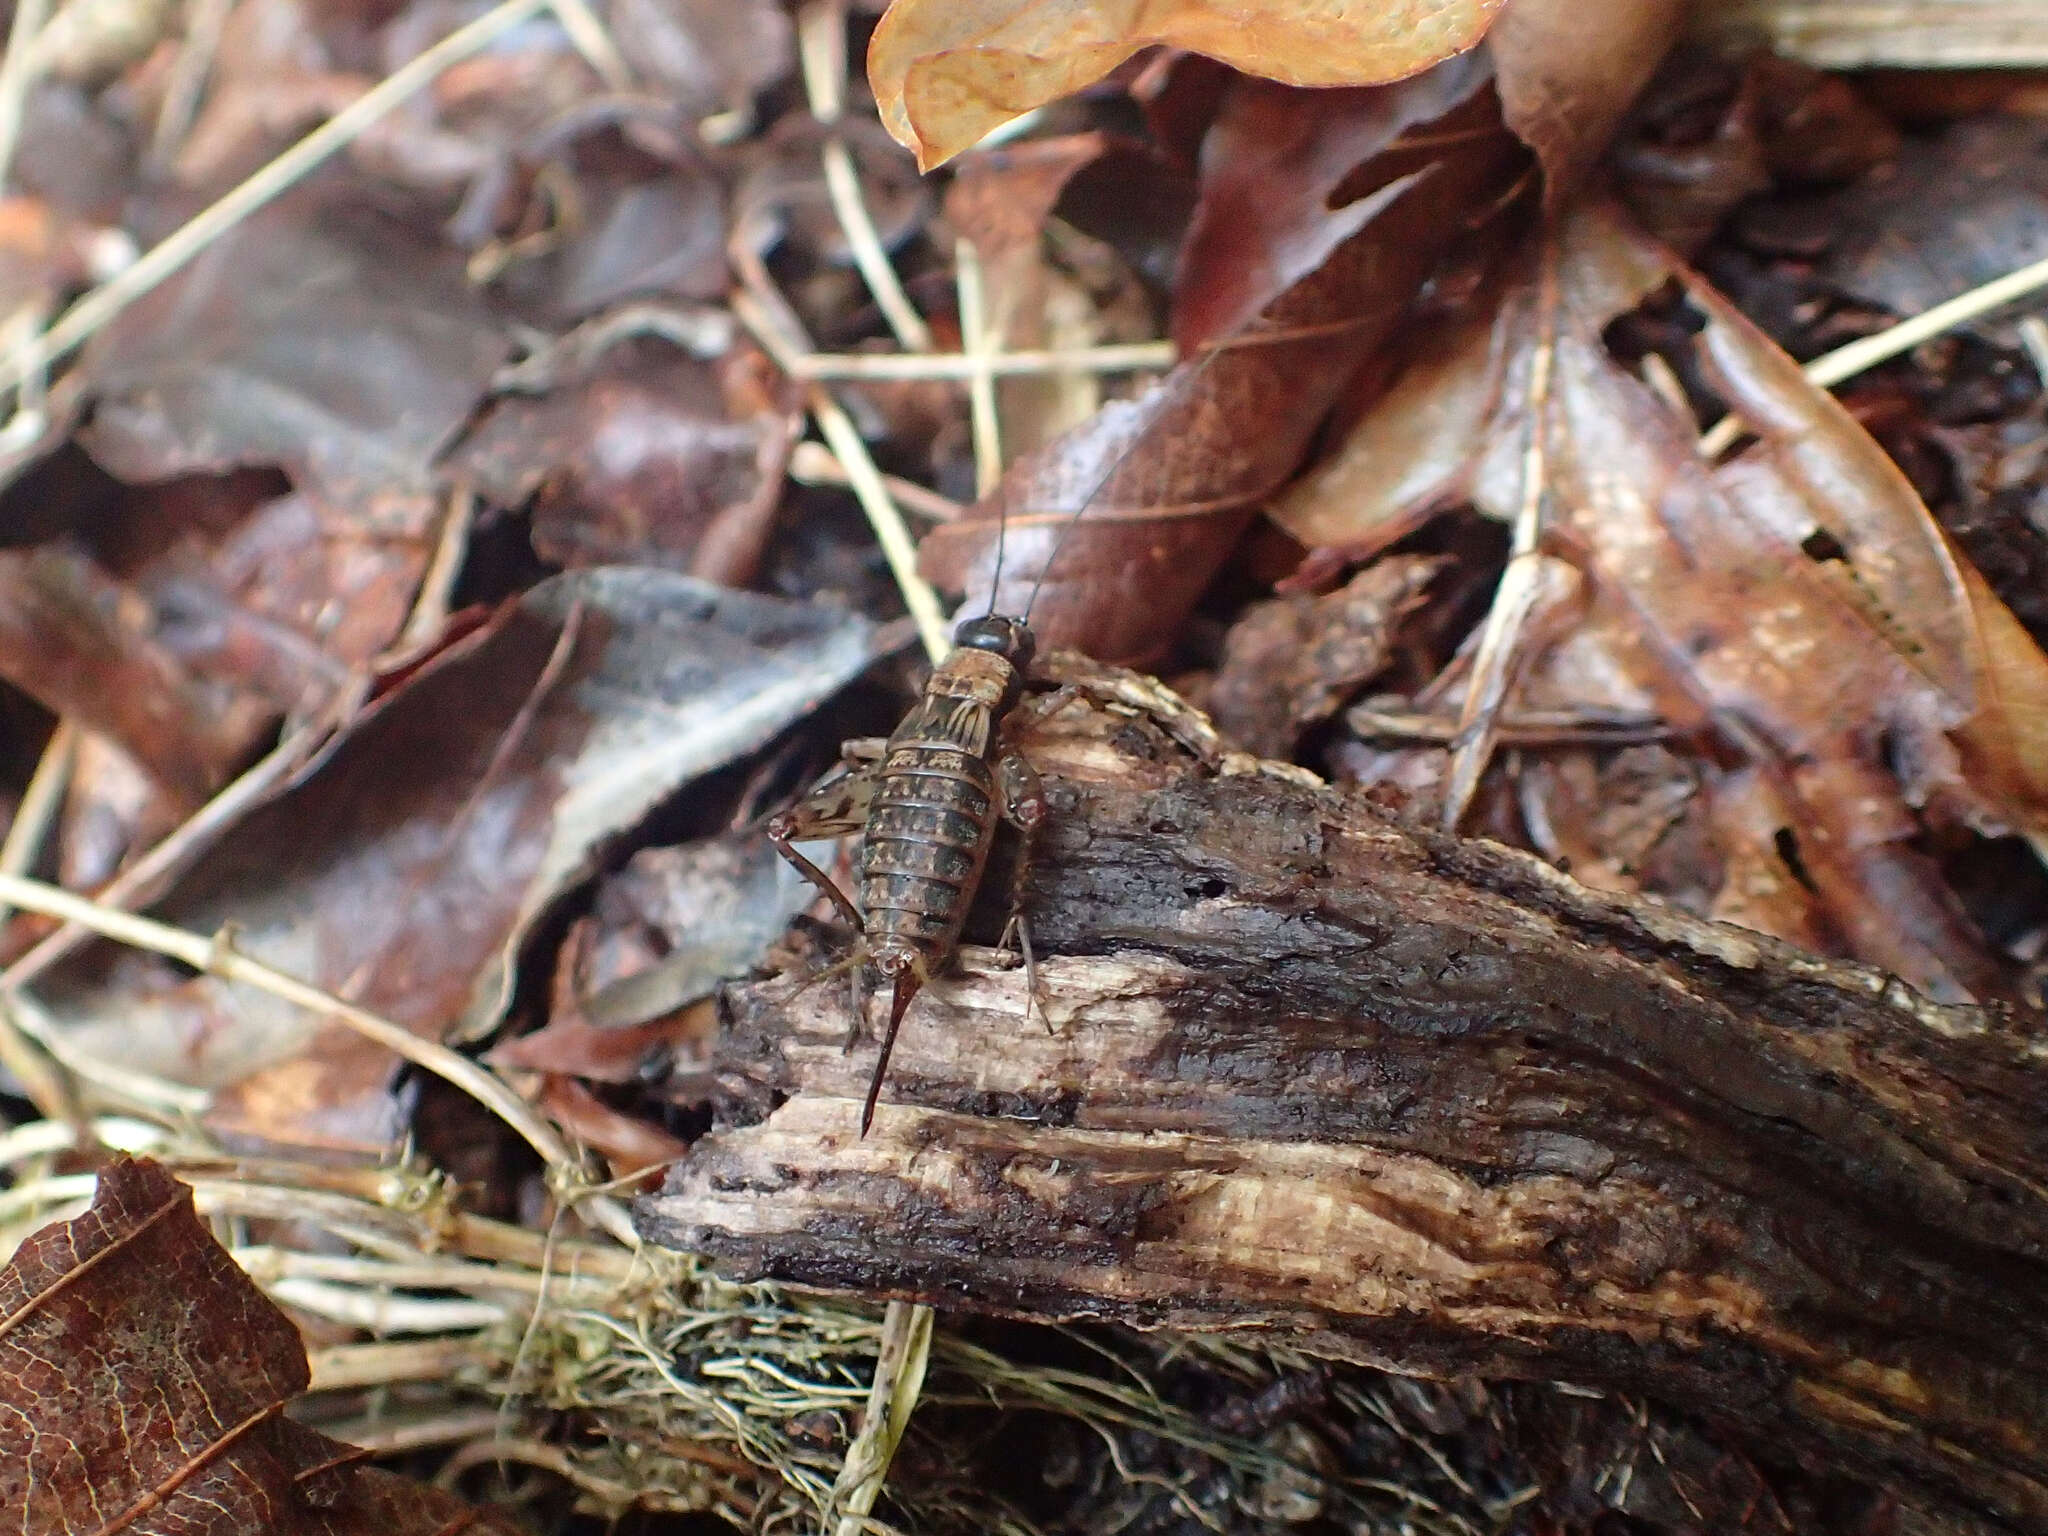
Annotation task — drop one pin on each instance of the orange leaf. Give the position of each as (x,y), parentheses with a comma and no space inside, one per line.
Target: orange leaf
(946,72)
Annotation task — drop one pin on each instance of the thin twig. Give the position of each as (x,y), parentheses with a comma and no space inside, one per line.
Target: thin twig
(891,532)
(205,21)
(267,1265)
(85,317)
(821,52)
(587,35)
(821,41)
(842,186)
(17,74)
(432,603)
(138,882)
(814,464)
(38,808)
(1120,357)
(1845,362)
(218,957)
(345,1366)
(41,1138)
(116,1084)
(899,1378)
(2034,341)
(381,1312)
(377,1434)
(40,1077)
(1513,600)
(766,314)
(980,341)
(1525,728)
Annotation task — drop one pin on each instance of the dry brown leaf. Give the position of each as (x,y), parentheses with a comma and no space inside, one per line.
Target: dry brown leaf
(654,458)
(1289,294)
(1291,663)
(143,1379)
(406,869)
(321,337)
(87,648)
(1800,592)
(1569,70)
(947,72)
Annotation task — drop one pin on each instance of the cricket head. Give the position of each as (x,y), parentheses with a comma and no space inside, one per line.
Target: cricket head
(1010,639)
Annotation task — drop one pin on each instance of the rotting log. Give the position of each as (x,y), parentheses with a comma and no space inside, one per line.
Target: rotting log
(1426,1104)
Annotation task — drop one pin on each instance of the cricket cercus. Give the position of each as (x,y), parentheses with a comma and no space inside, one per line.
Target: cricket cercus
(925,801)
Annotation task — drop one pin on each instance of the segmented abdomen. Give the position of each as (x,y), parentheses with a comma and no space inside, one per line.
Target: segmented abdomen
(927,840)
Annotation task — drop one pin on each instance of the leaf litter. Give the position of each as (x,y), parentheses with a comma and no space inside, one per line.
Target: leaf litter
(369,563)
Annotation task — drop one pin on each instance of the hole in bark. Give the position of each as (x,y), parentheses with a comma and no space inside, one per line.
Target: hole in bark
(1164,828)
(1209,889)
(1788,850)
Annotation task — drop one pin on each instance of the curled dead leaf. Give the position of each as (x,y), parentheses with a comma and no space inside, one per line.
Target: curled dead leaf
(1287,294)
(945,73)
(1799,591)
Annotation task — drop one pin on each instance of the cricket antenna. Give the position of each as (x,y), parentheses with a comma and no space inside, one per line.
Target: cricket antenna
(1143,430)
(995,584)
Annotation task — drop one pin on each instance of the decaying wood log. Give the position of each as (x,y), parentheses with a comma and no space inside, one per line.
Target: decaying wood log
(1427,1104)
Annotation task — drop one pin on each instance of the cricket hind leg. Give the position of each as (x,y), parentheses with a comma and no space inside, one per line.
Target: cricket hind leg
(837,807)
(1021,795)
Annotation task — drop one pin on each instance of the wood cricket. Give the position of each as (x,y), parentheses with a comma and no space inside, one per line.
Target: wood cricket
(925,802)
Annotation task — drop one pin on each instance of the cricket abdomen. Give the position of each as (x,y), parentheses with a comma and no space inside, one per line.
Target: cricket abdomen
(926,844)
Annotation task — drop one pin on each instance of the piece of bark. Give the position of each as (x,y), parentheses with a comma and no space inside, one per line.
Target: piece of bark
(1426,1104)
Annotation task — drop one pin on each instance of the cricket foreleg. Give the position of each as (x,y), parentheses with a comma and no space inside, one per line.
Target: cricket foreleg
(1022,797)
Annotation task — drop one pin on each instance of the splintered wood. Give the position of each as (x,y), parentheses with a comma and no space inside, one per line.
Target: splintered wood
(1427,1104)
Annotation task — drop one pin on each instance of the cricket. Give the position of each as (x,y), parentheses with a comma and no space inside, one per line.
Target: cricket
(925,802)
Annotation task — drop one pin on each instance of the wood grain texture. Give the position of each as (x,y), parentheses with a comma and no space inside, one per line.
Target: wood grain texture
(1887,34)
(1427,1104)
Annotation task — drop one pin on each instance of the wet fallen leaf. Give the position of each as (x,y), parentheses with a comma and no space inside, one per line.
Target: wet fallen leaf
(111,808)
(87,648)
(707,911)
(1287,293)
(144,1379)
(320,337)
(1799,591)
(707,55)
(654,458)
(946,73)
(629,1143)
(1759,888)
(654,238)
(782,199)
(1712,131)
(1602,815)
(406,868)
(664,933)
(1035,293)
(1948,214)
